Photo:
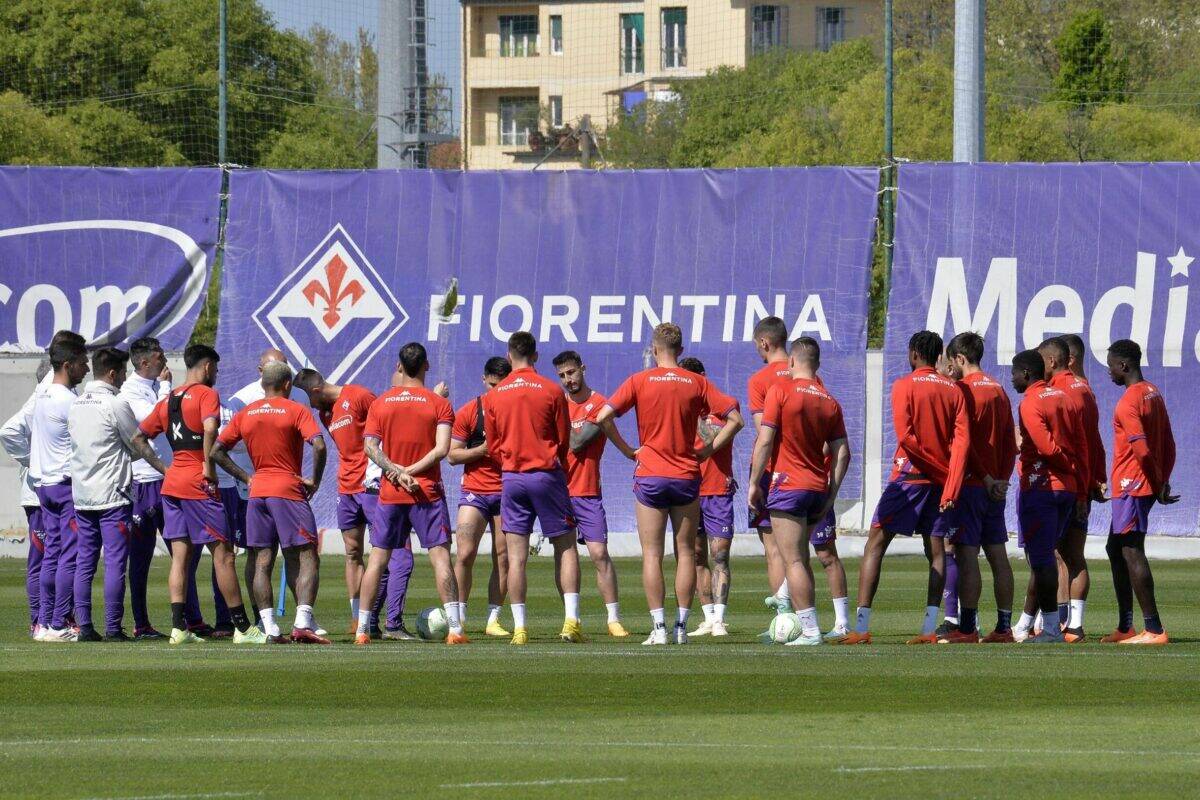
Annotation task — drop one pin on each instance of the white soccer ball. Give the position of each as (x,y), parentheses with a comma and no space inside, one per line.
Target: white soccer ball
(432,625)
(784,628)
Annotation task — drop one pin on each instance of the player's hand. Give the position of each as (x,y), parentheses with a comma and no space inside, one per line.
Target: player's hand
(754,497)
(408,482)
(393,476)
(946,505)
(704,453)
(442,389)
(1098,493)
(309,486)
(209,485)
(165,375)
(1165,497)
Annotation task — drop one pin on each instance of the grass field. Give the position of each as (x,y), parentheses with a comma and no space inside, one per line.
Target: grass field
(726,718)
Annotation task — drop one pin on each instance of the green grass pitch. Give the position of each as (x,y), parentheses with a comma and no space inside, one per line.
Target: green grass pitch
(714,719)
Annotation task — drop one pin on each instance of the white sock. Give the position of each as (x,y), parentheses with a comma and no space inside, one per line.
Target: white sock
(1025,623)
(353,608)
(681,616)
(1076,618)
(462,613)
(841,612)
(718,612)
(930,624)
(268,620)
(952,620)
(808,622)
(707,608)
(304,616)
(364,619)
(862,623)
(452,617)
(571,605)
(518,612)
(614,612)
(783,593)
(1038,623)
(493,614)
(656,616)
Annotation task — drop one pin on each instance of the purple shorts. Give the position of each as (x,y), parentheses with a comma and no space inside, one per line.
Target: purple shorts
(488,504)
(976,519)
(1042,518)
(279,521)
(908,508)
(664,493)
(356,510)
(541,495)
(147,508)
(201,521)
(801,503)
(430,521)
(591,523)
(716,516)
(824,530)
(762,519)
(1131,514)
(235,514)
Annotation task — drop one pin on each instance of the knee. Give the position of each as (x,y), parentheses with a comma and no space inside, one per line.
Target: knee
(827,557)
(354,551)
(1113,548)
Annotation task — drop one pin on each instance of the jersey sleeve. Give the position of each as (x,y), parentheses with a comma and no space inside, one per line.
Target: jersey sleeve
(363,402)
(562,418)
(156,421)
(960,446)
(232,433)
(756,393)
(625,397)
(772,407)
(445,412)
(209,404)
(374,425)
(837,424)
(595,412)
(306,424)
(1096,454)
(464,422)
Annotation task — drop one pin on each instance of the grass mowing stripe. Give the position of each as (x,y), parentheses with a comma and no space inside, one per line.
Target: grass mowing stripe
(548,782)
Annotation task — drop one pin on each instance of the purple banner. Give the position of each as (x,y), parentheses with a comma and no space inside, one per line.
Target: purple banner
(339,269)
(111,253)
(1020,252)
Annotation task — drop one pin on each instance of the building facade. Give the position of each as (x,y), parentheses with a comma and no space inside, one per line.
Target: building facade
(533,73)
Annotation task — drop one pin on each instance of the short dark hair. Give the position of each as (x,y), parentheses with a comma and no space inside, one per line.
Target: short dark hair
(773,329)
(144,348)
(692,364)
(497,367)
(927,345)
(808,348)
(412,358)
(522,344)
(197,354)
(307,379)
(568,355)
(1058,346)
(66,336)
(65,350)
(967,344)
(1032,362)
(108,358)
(1075,344)
(1128,350)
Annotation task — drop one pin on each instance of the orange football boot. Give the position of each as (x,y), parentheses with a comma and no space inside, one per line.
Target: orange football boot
(924,638)
(854,637)
(1070,637)
(1146,637)
(1119,636)
(457,638)
(999,637)
(362,638)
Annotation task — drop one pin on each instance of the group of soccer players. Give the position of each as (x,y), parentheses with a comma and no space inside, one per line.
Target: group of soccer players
(530,447)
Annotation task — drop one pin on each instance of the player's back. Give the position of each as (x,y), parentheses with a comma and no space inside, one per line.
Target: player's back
(271,429)
(1055,463)
(196,404)
(345,423)
(993,435)
(405,419)
(806,418)
(527,423)
(1141,413)
(925,407)
(771,374)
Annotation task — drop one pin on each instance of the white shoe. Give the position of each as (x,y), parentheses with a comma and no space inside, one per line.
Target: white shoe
(680,633)
(806,641)
(719,629)
(36,633)
(317,629)
(657,636)
(837,633)
(705,629)
(59,635)
(1051,635)
(1020,634)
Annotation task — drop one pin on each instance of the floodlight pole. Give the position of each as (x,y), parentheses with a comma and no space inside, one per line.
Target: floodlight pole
(889,175)
(968,80)
(222,89)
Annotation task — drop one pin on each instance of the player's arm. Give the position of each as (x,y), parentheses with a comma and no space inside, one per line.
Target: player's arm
(1135,435)
(15,434)
(441,447)
(840,448)
(1168,459)
(1096,455)
(126,424)
(320,453)
(960,446)
(584,435)
(733,424)
(461,454)
(391,471)
(220,457)
(606,419)
(763,444)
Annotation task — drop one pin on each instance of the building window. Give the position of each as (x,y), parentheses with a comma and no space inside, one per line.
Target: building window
(633,44)
(518,117)
(831,26)
(769,28)
(556,114)
(674,38)
(556,35)
(519,36)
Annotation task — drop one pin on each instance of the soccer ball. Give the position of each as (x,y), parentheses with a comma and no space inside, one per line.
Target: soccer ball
(432,625)
(784,628)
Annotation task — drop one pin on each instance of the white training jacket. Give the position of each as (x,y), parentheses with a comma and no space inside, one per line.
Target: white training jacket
(142,395)
(15,439)
(102,427)
(49,439)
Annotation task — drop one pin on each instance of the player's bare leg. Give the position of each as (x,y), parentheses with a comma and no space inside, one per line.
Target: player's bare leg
(261,561)
(1002,588)
(447,586)
(352,539)
(178,579)
(835,575)
(468,533)
(868,583)
(791,540)
(225,569)
(304,562)
(566,576)
(606,583)
(497,580)
(935,553)
(1074,577)
(703,585)
(368,588)
(518,558)
(775,572)
(721,582)
(685,520)
(652,531)
(1029,621)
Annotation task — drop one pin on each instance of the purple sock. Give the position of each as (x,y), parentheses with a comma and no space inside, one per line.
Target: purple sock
(400,567)
(950,591)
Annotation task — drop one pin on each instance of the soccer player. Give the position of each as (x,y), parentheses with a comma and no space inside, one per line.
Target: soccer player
(479,503)
(932,441)
(770,341)
(275,430)
(407,434)
(1054,473)
(714,537)
(343,411)
(583,478)
(977,520)
(670,402)
(800,423)
(102,428)
(528,431)
(1143,459)
(192,513)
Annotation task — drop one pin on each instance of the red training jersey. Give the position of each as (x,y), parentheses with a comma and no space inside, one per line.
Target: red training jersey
(670,402)
(405,420)
(583,468)
(1081,390)
(776,372)
(716,472)
(345,423)
(806,418)
(274,430)
(993,436)
(481,476)
(1052,442)
(527,424)
(1143,444)
(185,476)
(932,431)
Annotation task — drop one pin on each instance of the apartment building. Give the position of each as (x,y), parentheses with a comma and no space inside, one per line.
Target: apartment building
(532,70)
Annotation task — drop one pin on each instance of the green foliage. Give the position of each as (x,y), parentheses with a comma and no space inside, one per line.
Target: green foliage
(1089,71)
(29,136)
(106,131)
(322,136)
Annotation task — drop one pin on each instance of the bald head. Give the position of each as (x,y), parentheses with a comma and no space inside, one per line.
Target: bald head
(271,356)
(277,379)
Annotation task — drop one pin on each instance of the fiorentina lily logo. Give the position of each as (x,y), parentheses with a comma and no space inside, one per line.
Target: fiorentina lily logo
(333,312)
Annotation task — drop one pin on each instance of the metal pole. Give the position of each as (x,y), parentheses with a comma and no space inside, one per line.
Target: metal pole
(889,170)
(222,93)
(968,80)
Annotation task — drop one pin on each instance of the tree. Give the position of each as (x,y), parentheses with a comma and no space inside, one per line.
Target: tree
(109,135)
(30,136)
(1089,71)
